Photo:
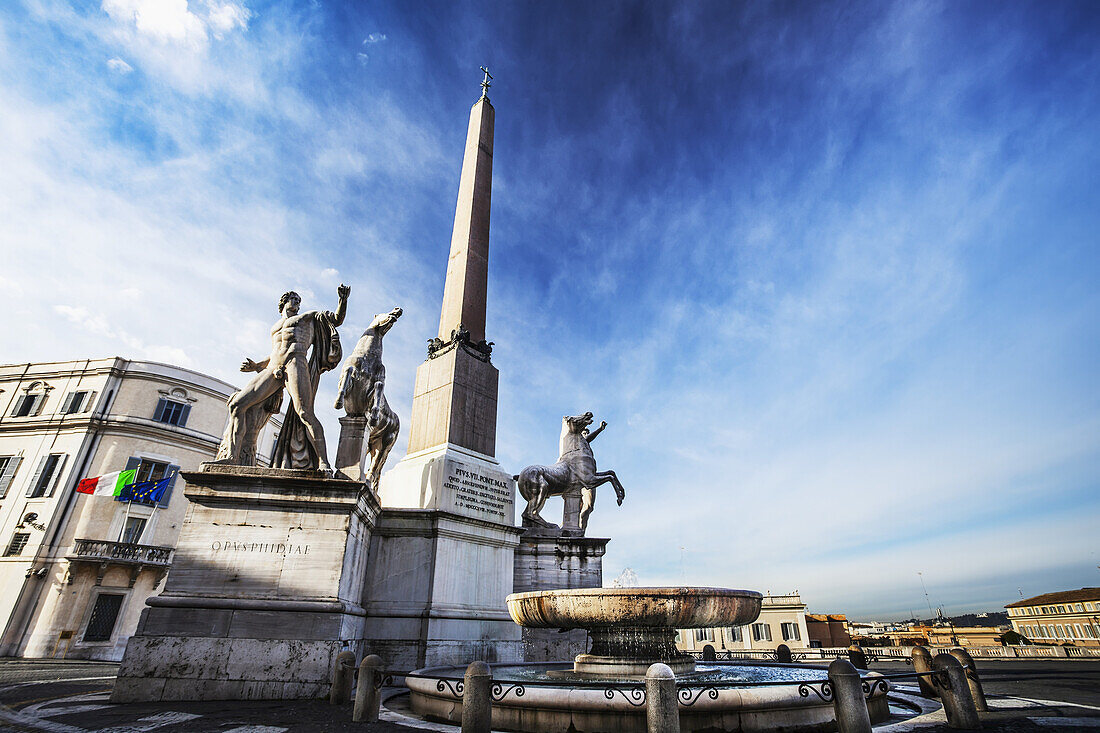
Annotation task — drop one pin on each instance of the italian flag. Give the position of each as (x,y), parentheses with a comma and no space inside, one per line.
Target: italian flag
(107,485)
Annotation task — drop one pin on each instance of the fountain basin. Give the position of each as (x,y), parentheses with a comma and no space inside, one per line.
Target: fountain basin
(528,697)
(632,628)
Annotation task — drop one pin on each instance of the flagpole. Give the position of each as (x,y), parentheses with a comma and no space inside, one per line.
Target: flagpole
(125,518)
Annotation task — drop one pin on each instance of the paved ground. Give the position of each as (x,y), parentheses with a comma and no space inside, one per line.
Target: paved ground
(71,697)
(1076,681)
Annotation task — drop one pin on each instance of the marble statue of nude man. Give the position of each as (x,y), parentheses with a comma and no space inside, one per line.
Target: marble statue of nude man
(290,365)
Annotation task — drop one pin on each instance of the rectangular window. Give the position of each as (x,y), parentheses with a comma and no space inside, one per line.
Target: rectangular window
(47,475)
(1077,629)
(172,412)
(761,632)
(790,632)
(704,635)
(1061,631)
(18,542)
(131,533)
(8,466)
(733,633)
(101,624)
(1061,609)
(149,470)
(1080,608)
(28,405)
(74,402)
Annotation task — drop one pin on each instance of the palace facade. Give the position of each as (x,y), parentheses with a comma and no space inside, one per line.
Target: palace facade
(76,568)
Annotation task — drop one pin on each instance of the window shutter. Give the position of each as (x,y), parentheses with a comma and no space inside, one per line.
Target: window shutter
(90,402)
(9,474)
(37,474)
(67,403)
(56,475)
(19,400)
(132,462)
(183,417)
(39,400)
(159,414)
(174,472)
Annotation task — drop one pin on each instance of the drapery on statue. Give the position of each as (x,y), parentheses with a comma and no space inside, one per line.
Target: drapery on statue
(574,473)
(362,382)
(301,443)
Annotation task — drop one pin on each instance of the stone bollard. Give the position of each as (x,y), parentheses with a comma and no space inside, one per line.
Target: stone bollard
(477,699)
(342,678)
(848,701)
(368,695)
(972,680)
(958,703)
(857,656)
(783,654)
(922,662)
(662,712)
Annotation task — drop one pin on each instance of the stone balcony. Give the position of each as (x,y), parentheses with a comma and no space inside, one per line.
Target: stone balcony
(104,554)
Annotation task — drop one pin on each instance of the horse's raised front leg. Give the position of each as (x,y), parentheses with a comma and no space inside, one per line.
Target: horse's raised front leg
(604,477)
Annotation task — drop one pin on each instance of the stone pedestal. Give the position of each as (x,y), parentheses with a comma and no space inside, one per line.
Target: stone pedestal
(351,450)
(549,561)
(442,560)
(436,586)
(266,588)
(451,479)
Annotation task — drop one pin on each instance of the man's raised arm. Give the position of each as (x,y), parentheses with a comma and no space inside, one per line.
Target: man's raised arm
(342,309)
(592,436)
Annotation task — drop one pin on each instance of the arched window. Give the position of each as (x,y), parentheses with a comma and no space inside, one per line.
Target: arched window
(31,401)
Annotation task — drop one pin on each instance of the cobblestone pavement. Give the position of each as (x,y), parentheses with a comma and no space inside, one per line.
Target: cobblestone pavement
(72,697)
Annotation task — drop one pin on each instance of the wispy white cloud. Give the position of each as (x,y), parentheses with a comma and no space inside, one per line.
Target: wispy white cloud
(175,22)
(118,65)
(374,38)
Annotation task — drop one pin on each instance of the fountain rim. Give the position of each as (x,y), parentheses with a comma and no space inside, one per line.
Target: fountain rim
(652,591)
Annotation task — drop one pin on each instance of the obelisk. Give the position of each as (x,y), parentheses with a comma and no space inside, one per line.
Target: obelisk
(454,413)
(447,529)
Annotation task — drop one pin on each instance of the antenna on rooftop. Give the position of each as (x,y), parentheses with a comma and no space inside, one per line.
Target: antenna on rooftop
(931,613)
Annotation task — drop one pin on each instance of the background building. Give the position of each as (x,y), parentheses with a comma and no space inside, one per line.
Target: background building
(782,621)
(76,568)
(1063,617)
(827,630)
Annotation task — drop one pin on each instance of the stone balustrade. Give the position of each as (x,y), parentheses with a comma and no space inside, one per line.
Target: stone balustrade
(121,552)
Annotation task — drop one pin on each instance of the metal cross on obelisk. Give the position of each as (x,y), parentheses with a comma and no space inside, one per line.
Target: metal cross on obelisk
(486,83)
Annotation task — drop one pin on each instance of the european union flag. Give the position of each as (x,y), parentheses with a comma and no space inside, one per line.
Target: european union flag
(150,492)
(145,492)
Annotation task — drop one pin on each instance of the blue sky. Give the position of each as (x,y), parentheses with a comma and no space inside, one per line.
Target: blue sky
(829,271)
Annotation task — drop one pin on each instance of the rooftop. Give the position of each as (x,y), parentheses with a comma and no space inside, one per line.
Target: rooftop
(1062,596)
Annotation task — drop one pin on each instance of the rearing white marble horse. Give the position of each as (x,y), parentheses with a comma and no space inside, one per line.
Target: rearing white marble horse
(361,393)
(575,471)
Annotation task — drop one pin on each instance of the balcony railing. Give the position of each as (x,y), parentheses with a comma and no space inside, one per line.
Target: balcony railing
(122,552)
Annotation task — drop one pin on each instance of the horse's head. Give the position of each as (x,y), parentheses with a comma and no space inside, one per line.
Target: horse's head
(576,424)
(383,322)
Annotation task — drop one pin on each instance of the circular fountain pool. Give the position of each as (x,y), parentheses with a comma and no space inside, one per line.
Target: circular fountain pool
(604,690)
(552,699)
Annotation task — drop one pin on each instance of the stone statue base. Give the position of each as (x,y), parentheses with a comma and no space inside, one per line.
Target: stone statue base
(351,452)
(544,561)
(442,559)
(265,589)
